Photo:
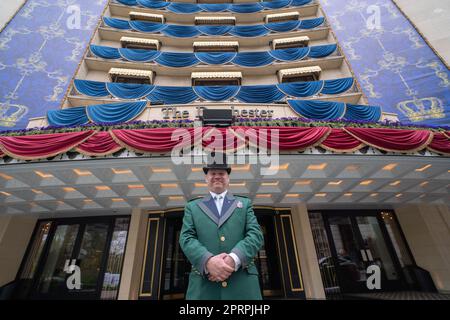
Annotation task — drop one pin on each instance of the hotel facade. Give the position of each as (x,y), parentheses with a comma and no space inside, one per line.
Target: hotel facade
(96,188)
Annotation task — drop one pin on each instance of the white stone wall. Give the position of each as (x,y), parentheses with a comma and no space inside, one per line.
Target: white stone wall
(432,19)
(8,9)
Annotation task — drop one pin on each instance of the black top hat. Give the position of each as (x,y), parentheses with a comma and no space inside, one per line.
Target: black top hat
(217,161)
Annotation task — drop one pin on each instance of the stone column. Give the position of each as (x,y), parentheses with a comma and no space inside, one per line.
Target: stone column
(132,264)
(427,231)
(15,234)
(312,280)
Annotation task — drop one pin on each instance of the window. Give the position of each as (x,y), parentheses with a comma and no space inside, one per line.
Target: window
(140,43)
(215,20)
(295,42)
(216,46)
(216,78)
(141,16)
(280,17)
(131,76)
(299,74)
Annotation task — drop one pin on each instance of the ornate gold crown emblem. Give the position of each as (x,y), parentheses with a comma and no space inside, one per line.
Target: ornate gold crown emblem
(11,113)
(422,109)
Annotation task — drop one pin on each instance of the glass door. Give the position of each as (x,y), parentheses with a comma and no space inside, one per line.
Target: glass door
(357,242)
(76,250)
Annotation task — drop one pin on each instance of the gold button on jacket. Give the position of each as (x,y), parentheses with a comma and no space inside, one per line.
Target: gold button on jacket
(222,238)
(224,284)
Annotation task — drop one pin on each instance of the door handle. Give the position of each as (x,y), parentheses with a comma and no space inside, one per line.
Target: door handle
(369,255)
(363,254)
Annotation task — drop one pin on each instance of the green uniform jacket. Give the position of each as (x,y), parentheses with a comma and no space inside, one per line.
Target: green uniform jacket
(205,234)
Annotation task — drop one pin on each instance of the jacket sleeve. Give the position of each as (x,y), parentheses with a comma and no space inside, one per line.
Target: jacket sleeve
(196,252)
(247,248)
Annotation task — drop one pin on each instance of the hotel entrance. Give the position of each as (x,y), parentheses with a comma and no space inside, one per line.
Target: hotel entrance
(277,261)
(348,243)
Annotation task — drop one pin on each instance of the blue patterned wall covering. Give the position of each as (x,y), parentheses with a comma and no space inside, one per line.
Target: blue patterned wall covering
(39,53)
(394,65)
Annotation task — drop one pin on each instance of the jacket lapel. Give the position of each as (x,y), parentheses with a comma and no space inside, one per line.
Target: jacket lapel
(209,208)
(228,207)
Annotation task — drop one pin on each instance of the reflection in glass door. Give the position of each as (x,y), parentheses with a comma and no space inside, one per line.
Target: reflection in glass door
(95,245)
(350,265)
(357,242)
(53,276)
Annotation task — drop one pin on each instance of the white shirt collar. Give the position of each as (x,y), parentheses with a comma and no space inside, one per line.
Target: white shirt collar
(218,195)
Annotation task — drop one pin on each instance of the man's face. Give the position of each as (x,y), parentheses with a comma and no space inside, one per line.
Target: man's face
(217,180)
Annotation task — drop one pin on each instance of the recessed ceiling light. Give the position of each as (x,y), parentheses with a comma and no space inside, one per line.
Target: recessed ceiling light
(423,184)
(161,170)
(82,172)
(335,183)
(68,189)
(117,200)
(5,193)
(423,168)
(320,166)
(121,171)
(348,194)
(5,176)
(136,186)
(43,174)
(269,184)
(176,198)
(303,182)
(168,185)
(264,195)
(374,194)
(102,188)
(390,166)
(320,195)
(292,195)
(147,199)
(366,182)
(395,183)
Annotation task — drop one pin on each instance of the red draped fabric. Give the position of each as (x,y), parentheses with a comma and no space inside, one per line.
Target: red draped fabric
(42,146)
(340,141)
(294,138)
(220,139)
(440,143)
(100,144)
(392,139)
(153,140)
(164,140)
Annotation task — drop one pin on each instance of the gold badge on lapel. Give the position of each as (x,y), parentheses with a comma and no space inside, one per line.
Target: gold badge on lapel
(239,204)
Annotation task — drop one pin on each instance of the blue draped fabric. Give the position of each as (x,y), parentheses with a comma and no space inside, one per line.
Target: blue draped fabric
(300,2)
(277,4)
(337,86)
(249,31)
(115,112)
(145,26)
(215,57)
(301,89)
(246,8)
(177,59)
(184,7)
(322,51)
(117,23)
(290,54)
(360,112)
(319,110)
(283,26)
(128,2)
(153,4)
(259,94)
(215,30)
(128,90)
(173,95)
(67,117)
(214,7)
(253,59)
(105,52)
(181,31)
(311,23)
(139,55)
(216,93)
(91,88)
